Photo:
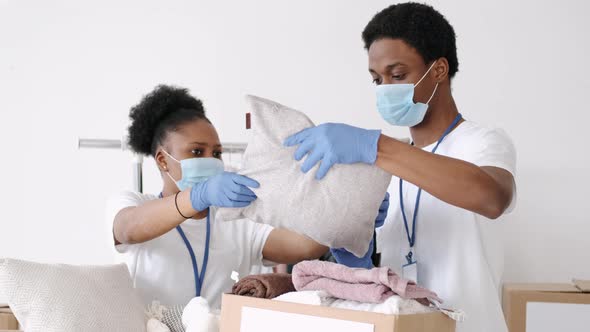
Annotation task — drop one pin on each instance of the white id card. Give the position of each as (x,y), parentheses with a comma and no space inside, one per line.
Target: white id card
(410,271)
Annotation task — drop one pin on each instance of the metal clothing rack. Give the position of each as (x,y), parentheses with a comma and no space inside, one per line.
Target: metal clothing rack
(137,162)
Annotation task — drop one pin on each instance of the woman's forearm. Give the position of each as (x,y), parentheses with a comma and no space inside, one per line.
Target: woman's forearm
(152,219)
(453,181)
(287,247)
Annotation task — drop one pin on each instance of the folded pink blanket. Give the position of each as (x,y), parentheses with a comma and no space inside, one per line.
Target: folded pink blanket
(362,285)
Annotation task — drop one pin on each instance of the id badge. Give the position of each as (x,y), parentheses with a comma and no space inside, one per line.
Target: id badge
(410,271)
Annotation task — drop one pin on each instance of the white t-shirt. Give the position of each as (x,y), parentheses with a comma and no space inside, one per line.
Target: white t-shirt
(161,268)
(459,253)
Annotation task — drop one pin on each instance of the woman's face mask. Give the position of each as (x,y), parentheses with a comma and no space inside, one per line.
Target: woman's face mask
(395,103)
(195,170)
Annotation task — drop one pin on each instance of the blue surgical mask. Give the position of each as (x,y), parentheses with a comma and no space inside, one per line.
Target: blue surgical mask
(195,170)
(395,103)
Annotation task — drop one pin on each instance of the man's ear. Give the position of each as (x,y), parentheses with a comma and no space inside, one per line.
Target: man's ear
(441,70)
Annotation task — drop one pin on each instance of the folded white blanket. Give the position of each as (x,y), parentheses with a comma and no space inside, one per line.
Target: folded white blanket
(197,316)
(394,305)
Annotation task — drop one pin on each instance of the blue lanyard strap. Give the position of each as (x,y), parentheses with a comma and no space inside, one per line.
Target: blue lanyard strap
(412,237)
(199,278)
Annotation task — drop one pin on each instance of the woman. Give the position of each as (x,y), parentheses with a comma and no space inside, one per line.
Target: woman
(171,242)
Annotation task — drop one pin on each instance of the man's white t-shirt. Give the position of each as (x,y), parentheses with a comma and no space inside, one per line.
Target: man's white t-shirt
(161,268)
(459,253)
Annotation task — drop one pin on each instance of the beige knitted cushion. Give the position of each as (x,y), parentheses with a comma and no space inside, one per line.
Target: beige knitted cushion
(56,297)
(338,211)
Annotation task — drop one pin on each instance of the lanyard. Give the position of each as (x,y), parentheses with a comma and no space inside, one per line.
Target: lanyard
(199,278)
(412,237)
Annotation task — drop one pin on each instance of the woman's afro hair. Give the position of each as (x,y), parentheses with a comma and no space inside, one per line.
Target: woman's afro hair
(162,110)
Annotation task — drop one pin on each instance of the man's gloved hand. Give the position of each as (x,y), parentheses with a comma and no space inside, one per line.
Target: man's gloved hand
(334,143)
(224,190)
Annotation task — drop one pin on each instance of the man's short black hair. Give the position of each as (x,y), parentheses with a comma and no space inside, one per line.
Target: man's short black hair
(420,26)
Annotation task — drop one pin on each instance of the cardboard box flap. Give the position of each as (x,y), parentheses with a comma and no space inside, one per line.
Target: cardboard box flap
(577,286)
(582,285)
(543,287)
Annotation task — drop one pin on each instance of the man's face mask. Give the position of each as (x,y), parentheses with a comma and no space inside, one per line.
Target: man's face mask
(395,103)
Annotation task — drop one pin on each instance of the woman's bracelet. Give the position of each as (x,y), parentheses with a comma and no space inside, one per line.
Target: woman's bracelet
(176,204)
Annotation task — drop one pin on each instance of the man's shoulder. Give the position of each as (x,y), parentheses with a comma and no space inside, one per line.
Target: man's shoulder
(473,132)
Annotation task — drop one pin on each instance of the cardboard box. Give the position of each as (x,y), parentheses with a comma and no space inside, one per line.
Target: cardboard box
(547,307)
(247,314)
(7,319)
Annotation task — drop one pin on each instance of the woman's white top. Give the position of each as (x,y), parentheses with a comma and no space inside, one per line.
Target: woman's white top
(161,268)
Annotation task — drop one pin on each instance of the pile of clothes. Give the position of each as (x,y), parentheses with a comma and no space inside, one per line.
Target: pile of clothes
(335,285)
(319,283)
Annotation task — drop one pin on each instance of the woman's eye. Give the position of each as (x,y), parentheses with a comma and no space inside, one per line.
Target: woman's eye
(376,81)
(217,154)
(197,152)
(399,77)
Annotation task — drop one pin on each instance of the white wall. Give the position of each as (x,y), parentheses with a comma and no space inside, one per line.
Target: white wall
(70,69)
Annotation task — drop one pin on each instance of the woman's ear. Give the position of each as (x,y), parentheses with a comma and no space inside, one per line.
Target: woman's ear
(441,70)
(161,160)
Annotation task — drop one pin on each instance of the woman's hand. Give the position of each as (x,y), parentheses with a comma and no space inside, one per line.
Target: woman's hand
(224,190)
(347,258)
(380,220)
(344,257)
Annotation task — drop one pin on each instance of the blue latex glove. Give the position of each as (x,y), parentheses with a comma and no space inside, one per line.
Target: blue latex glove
(334,143)
(344,257)
(382,212)
(223,190)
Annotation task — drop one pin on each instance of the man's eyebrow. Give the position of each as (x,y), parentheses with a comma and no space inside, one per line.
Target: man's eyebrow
(388,67)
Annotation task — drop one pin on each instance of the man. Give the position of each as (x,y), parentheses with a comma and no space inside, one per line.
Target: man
(447,185)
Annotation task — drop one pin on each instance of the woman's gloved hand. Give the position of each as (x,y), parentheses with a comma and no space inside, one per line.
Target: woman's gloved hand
(380,220)
(334,143)
(224,190)
(344,257)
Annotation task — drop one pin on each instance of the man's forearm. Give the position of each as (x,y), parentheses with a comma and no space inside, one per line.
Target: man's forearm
(453,181)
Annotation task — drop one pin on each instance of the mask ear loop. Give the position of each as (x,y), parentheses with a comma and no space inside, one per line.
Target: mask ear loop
(171,178)
(426,73)
(433,92)
(167,171)
(435,87)
(169,155)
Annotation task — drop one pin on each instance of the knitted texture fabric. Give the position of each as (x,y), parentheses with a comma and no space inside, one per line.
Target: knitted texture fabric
(59,297)
(339,211)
